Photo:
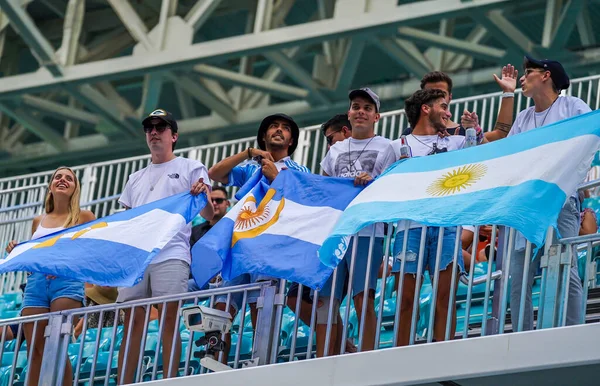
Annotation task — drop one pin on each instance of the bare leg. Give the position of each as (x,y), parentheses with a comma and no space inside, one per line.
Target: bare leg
(134,337)
(38,344)
(441,306)
(407,296)
(368,342)
(170,331)
(62,304)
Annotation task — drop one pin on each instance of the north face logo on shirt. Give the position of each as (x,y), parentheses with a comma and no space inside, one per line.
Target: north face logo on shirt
(174,175)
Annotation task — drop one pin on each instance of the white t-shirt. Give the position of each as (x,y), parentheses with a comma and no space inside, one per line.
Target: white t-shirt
(564,107)
(166,179)
(420,146)
(351,157)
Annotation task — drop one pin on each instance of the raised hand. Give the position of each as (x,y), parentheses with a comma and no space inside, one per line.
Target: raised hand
(508,82)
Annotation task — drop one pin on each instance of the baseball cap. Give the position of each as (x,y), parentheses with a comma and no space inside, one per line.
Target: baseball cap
(557,72)
(367,93)
(264,125)
(165,116)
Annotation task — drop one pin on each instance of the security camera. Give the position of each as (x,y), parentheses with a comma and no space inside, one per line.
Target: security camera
(205,319)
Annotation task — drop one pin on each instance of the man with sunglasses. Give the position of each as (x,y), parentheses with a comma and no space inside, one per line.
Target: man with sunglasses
(220,201)
(169,270)
(336,129)
(277,139)
(543,81)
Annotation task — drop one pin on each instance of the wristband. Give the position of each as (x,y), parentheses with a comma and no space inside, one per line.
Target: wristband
(479,132)
(249,153)
(508,95)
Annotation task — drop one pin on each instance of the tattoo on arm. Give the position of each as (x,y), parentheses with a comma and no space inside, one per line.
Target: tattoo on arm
(505,127)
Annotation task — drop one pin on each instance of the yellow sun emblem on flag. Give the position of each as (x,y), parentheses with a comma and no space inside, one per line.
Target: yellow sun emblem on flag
(456,180)
(252,220)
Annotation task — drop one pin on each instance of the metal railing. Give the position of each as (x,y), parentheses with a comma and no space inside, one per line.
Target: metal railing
(402,310)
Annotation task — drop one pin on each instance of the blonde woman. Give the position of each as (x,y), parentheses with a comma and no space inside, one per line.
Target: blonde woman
(46,293)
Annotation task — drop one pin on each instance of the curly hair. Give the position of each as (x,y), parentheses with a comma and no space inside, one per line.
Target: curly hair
(412,106)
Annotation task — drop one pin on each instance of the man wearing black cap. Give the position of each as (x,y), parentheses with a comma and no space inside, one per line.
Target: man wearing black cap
(169,270)
(360,157)
(543,80)
(277,139)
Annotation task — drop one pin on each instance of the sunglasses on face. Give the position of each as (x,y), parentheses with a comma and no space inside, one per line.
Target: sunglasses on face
(159,128)
(329,137)
(528,71)
(218,201)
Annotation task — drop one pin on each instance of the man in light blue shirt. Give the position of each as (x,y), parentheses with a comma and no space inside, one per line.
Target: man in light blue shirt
(277,139)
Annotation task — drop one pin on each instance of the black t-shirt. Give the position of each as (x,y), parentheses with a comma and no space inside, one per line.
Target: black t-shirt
(198,231)
(451,130)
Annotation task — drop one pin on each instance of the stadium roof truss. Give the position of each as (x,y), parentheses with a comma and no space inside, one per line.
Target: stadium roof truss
(222,65)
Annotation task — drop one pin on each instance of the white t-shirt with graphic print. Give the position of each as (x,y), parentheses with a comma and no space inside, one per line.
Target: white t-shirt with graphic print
(351,157)
(158,181)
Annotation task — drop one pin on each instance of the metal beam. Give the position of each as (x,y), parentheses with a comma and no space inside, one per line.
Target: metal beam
(67,53)
(59,110)
(452,44)
(456,61)
(168,8)
(39,128)
(566,23)
(550,21)
(200,13)
(186,105)
(132,21)
(497,25)
(205,96)
(297,74)
(27,30)
(97,103)
(585,28)
(250,44)
(406,54)
(349,63)
(251,82)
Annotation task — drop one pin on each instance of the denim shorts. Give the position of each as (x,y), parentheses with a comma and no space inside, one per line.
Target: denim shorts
(360,268)
(42,291)
(429,255)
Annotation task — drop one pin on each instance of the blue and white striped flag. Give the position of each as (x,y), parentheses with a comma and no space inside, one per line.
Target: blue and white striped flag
(275,230)
(521,182)
(111,251)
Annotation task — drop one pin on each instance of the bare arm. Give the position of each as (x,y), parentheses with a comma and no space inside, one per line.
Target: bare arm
(220,171)
(508,83)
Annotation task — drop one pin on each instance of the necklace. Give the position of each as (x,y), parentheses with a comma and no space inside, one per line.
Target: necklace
(545,116)
(350,162)
(153,184)
(435,145)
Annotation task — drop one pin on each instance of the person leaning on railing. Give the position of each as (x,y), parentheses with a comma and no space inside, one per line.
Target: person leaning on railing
(169,270)
(47,293)
(277,139)
(543,81)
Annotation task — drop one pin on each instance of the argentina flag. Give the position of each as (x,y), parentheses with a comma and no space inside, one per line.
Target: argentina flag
(111,251)
(275,230)
(521,182)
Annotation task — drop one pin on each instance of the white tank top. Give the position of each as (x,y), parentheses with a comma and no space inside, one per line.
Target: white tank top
(42,231)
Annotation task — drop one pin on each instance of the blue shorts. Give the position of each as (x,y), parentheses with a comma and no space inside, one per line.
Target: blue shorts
(360,268)
(42,291)
(429,255)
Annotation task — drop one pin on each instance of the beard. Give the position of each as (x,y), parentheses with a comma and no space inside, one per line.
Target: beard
(438,123)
